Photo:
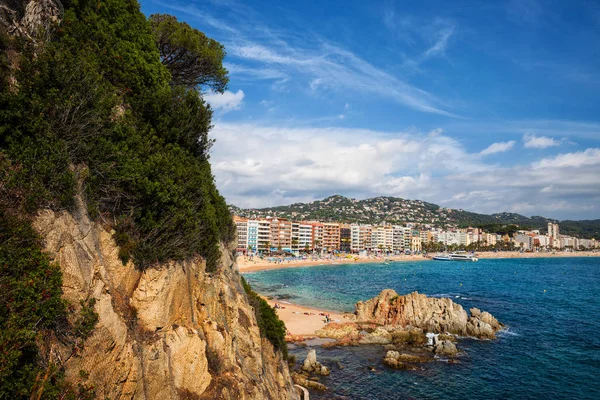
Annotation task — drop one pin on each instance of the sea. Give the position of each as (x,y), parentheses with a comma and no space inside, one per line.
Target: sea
(550,349)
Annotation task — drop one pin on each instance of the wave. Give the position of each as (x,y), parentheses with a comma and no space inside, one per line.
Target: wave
(507,332)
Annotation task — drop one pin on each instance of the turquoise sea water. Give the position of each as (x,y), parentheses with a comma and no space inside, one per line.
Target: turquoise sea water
(550,350)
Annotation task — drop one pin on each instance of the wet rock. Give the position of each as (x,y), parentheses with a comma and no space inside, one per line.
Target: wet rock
(312,365)
(446,348)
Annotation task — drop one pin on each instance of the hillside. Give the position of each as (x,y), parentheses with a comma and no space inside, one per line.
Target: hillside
(399,211)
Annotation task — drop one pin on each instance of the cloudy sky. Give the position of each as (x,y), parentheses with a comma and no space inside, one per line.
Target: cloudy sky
(487,106)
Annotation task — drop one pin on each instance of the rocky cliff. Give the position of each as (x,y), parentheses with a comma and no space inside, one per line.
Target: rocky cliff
(170,332)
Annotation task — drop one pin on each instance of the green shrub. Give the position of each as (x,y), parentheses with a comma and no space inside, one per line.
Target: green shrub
(30,293)
(271,327)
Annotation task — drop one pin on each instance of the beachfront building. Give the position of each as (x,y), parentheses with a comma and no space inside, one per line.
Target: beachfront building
(389,237)
(345,239)
(281,234)
(305,238)
(241,227)
(415,244)
(553,231)
(397,238)
(355,238)
(317,235)
(382,237)
(365,237)
(331,236)
(295,237)
(252,235)
(263,237)
(268,234)
(524,241)
(490,239)
(378,237)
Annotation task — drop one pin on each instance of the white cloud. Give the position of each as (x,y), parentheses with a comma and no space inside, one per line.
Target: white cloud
(575,160)
(499,147)
(226,101)
(539,142)
(281,165)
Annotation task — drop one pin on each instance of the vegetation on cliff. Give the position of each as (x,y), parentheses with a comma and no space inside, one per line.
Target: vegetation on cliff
(271,327)
(100,108)
(97,104)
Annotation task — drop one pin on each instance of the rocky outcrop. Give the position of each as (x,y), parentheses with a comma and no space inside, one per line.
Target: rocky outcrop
(445,347)
(396,360)
(312,365)
(304,381)
(437,315)
(170,332)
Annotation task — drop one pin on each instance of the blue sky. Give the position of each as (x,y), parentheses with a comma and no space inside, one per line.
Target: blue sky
(487,106)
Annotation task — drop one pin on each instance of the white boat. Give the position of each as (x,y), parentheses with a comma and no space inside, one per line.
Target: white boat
(458,256)
(461,256)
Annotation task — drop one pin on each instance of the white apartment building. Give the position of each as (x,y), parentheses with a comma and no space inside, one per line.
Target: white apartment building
(263,236)
(398,238)
(305,238)
(355,237)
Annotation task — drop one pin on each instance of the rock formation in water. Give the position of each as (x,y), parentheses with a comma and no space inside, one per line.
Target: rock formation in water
(437,315)
(410,326)
(169,332)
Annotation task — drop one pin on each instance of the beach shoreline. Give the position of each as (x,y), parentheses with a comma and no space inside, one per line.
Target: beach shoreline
(247,265)
(302,322)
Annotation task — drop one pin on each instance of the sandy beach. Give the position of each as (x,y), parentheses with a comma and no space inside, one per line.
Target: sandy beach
(303,321)
(257,264)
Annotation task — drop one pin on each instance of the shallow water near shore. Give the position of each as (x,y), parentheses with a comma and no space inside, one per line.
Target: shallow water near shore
(550,349)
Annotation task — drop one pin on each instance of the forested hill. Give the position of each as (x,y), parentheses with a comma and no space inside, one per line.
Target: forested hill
(396,210)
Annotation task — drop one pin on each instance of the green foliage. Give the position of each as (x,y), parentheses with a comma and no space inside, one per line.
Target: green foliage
(271,327)
(192,58)
(98,105)
(586,229)
(85,324)
(30,293)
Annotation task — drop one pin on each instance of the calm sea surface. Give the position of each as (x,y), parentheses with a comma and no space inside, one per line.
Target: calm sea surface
(551,306)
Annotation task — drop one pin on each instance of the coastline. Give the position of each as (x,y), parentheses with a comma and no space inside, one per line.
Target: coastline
(302,322)
(245,265)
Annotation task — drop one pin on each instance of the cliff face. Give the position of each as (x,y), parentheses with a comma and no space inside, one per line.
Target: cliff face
(166,333)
